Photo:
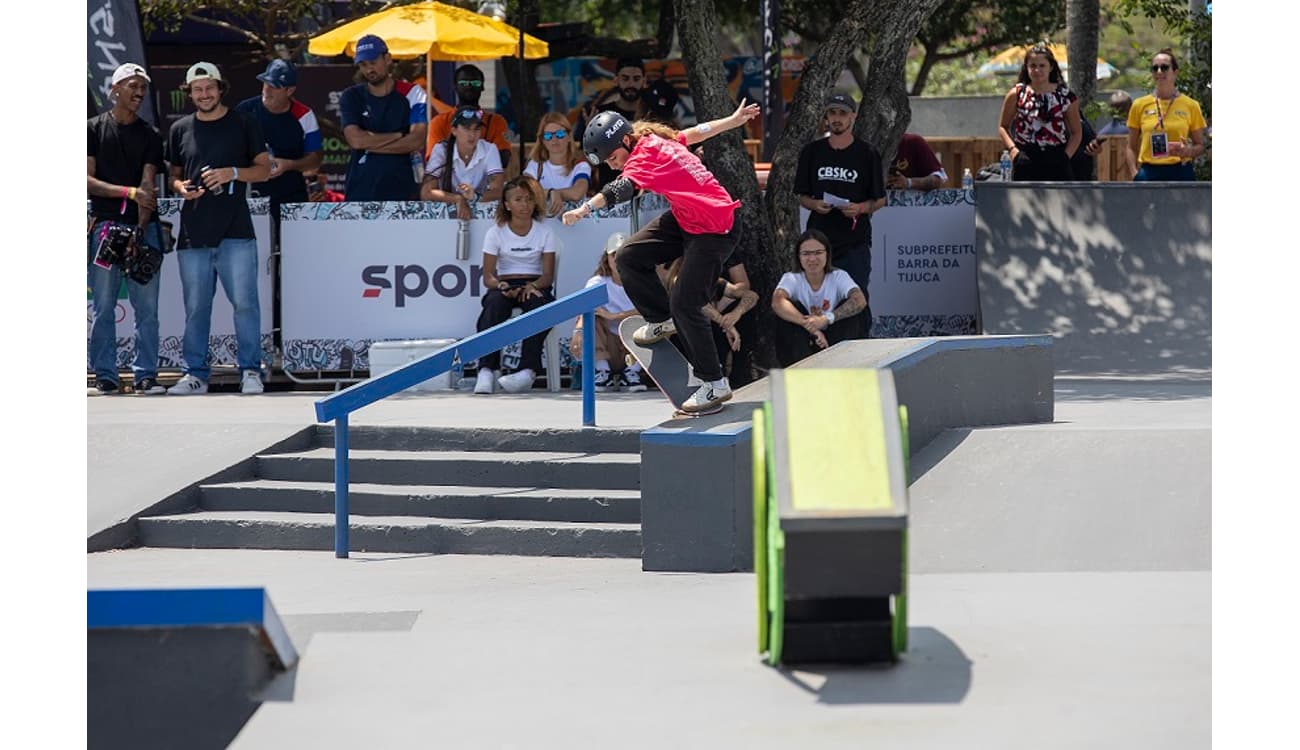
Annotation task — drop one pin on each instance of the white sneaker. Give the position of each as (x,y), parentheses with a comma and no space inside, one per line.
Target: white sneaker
(188,386)
(652,332)
(517,382)
(487,381)
(708,396)
(603,381)
(251,382)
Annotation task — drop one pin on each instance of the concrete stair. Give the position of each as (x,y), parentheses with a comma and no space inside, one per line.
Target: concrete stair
(570,493)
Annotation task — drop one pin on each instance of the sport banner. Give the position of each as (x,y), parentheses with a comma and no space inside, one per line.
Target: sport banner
(171,302)
(923,264)
(356,273)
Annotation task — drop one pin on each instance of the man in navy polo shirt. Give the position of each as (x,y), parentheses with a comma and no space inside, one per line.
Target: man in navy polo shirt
(292,136)
(384,120)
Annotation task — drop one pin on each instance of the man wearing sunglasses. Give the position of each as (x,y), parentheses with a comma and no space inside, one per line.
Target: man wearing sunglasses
(469,88)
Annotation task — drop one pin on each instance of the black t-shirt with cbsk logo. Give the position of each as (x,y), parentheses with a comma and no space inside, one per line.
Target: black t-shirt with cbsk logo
(854,173)
(120,153)
(234,140)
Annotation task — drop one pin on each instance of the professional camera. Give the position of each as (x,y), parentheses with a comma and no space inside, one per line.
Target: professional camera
(143,263)
(115,245)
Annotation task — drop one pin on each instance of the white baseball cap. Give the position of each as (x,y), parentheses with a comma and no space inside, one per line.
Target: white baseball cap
(200,70)
(128,70)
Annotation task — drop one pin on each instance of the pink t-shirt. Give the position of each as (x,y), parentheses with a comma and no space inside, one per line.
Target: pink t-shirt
(699,203)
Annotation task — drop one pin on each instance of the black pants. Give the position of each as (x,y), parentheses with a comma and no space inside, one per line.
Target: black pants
(793,343)
(659,243)
(496,309)
(741,368)
(1041,163)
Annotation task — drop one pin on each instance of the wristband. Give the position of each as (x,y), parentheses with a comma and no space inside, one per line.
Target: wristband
(909,183)
(830,318)
(126,193)
(235,174)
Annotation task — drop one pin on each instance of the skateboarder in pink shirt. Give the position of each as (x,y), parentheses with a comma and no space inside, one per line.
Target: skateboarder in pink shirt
(699,228)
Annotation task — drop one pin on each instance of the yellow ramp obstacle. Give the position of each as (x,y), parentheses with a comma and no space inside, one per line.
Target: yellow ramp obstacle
(830,517)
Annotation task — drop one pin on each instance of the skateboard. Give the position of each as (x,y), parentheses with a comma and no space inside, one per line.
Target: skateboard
(664,362)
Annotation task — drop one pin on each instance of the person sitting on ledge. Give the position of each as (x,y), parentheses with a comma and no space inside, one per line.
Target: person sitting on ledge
(817,306)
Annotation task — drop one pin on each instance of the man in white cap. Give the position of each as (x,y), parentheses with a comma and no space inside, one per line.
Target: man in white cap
(123,155)
(215,153)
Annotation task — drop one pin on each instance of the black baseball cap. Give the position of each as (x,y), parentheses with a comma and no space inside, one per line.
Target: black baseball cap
(840,100)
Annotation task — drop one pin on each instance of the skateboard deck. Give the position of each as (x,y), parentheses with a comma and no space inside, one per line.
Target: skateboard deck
(666,366)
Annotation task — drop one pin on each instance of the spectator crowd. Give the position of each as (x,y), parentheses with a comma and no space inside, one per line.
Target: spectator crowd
(272,144)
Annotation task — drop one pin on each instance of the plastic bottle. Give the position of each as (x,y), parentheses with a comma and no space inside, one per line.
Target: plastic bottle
(967,180)
(457,371)
(462,240)
(1006,165)
(417,166)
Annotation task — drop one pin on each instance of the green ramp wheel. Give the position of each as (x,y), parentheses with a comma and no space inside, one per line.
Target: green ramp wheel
(899,603)
(758,448)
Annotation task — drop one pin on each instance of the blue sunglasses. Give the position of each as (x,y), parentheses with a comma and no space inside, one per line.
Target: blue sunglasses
(554,134)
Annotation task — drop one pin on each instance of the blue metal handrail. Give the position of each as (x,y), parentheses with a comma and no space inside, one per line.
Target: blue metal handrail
(339,405)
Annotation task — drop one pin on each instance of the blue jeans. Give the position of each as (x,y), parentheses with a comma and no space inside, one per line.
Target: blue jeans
(1166,173)
(234,262)
(104,286)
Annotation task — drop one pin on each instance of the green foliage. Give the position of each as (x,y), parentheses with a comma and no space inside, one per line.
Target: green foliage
(264,22)
(966,26)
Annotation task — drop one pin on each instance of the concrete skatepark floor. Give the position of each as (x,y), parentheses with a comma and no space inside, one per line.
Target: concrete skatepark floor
(1059,633)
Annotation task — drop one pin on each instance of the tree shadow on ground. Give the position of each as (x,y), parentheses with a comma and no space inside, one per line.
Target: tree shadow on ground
(1120,275)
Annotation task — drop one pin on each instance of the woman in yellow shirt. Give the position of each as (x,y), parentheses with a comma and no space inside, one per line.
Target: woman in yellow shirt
(1160,126)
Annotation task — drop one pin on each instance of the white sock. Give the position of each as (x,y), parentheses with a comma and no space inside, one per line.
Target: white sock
(720,384)
(602,364)
(634,367)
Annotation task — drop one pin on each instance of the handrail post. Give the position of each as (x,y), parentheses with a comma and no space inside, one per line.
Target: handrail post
(341,486)
(589,369)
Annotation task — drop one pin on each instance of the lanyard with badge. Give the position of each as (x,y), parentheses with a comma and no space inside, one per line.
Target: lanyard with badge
(1159,137)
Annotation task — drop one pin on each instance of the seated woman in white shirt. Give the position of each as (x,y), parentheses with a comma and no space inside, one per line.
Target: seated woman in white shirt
(611,354)
(817,305)
(558,163)
(518,271)
(475,173)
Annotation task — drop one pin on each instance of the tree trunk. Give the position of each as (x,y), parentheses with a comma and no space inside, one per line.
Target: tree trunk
(1083,21)
(885,112)
(697,31)
(923,75)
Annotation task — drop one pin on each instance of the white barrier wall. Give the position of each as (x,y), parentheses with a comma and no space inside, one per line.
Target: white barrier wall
(923,266)
(355,273)
(171,302)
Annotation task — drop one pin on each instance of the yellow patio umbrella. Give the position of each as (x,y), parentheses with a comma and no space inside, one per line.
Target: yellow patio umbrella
(441,31)
(1008,62)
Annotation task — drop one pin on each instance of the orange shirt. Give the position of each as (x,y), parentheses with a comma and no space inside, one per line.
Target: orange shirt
(494,131)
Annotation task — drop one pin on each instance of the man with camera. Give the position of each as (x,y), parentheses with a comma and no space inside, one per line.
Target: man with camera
(215,153)
(123,155)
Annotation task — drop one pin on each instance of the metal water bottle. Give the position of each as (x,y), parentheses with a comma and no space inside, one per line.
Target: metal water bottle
(462,240)
(1006,165)
(417,166)
(967,180)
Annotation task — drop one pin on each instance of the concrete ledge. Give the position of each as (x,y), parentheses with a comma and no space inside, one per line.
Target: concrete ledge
(179,668)
(696,492)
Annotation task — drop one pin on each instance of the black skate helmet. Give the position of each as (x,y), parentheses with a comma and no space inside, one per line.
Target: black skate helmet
(604,135)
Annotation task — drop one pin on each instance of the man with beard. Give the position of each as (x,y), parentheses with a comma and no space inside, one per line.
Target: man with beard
(626,97)
(124,153)
(469,89)
(384,121)
(840,179)
(215,153)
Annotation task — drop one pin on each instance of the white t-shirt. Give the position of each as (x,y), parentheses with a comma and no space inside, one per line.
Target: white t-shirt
(485,163)
(835,289)
(618,299)
(553,176)
(519,255)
